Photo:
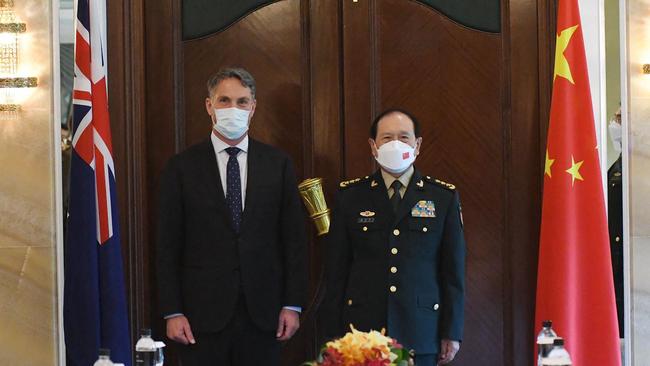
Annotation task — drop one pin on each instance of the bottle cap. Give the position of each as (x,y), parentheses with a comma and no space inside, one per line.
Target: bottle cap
(558,342)
(145,332)
(104,352)
(545,341)
(547,323)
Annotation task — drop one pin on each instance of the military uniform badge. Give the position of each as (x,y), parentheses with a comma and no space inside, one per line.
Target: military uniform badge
(366,217)
(424,209)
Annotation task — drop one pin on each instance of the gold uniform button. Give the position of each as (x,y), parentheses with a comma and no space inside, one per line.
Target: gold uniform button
(618,238)
(436,307)
(396,232)
(393,269)
(424,229)
(365,228)
(393,289)
(350,302)
(394,250)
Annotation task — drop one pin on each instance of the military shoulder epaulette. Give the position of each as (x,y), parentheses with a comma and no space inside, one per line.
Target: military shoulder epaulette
(440,183)
(352,182)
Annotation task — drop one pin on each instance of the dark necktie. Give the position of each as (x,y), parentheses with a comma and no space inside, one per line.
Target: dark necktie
(396,198)
(233,188)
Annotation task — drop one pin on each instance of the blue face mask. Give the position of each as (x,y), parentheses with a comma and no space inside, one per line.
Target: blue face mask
(231,123)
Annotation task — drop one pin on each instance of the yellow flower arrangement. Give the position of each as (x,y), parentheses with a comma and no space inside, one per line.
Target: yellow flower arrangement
(363,349)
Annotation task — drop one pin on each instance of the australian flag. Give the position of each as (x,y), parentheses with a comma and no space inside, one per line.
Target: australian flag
(95,311)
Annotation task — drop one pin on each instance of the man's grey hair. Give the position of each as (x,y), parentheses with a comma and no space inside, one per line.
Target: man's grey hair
(244,76)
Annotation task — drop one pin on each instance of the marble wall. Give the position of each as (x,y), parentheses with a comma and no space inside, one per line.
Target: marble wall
(638,14)
(28,244)
(612,71)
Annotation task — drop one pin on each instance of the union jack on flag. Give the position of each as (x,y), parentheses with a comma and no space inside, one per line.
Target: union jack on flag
(94,309)
(92,133)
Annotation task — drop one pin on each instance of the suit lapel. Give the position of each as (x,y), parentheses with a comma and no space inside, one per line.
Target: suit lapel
(380,196)
(411,196)
(212,182)
(255,176)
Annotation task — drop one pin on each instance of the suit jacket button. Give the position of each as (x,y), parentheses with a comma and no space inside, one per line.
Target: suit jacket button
(424,229)
(349,302)
(393,269)
(436,306)
(396,232)
(618,238)
(394,250)
(365,228)
(393,289)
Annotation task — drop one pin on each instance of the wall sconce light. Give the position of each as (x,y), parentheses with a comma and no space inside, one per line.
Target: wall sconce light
(10,28)
(646,69)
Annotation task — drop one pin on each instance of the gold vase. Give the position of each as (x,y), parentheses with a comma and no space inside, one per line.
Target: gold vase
(311,191)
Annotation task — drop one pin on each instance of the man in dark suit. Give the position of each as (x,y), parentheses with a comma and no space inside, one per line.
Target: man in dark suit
(231,242)
(615,217)
(396,250)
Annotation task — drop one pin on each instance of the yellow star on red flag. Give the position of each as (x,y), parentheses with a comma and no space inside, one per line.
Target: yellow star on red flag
(575,170)
(562,67)
(547,165)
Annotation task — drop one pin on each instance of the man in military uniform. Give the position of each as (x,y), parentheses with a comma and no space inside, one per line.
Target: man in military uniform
(396,250)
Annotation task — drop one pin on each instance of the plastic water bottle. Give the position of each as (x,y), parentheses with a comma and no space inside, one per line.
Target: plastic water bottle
(558,356)
(159,360)
(104,358)
(545,339)
(145,349)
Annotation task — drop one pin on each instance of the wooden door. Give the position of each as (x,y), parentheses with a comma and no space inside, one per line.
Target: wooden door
(474,74)
(451,78)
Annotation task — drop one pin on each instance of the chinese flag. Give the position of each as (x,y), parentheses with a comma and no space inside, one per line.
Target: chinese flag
(574,283)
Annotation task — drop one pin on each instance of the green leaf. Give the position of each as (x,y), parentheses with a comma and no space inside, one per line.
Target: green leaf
(400,353)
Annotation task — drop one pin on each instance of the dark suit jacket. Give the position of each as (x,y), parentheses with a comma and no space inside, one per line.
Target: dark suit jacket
(615,220)
(203,265)
(396,271)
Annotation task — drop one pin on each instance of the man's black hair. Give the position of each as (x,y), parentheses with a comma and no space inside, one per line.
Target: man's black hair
(373,127)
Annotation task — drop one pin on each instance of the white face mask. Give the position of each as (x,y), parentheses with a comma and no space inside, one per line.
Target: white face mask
(232,123)
(395,156)
(616,135)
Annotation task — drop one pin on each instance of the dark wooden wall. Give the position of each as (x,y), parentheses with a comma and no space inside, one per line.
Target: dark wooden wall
(324,69)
